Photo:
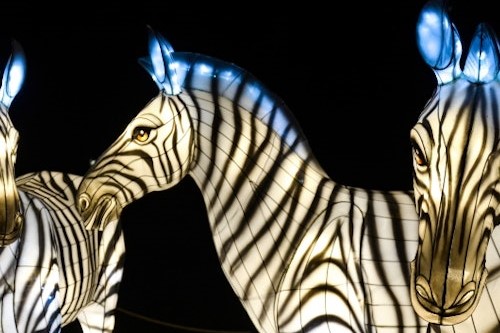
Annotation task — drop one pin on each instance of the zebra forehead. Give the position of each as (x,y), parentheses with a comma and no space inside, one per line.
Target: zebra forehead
(464,101)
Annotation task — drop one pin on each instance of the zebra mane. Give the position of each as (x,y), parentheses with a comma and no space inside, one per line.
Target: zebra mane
(174,72)
(440,45)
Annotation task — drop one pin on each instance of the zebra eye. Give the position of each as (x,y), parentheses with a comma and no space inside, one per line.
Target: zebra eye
(419,156)
(141,134)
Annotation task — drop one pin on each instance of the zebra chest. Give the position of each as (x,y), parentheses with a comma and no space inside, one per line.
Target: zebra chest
(52,253)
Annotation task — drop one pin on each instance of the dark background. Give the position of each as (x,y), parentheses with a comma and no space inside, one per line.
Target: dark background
(349,71)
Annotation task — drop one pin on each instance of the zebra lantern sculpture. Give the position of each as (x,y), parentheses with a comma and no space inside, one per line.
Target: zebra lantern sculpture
(301,252)
(52,269)
(456,169)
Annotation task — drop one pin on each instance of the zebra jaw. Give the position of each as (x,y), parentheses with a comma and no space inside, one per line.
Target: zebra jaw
(96,215)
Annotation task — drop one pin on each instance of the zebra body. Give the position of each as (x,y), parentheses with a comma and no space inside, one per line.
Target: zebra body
(301,252)
(52,269)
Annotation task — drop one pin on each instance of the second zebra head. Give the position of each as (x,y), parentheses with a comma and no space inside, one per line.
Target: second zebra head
(456,150)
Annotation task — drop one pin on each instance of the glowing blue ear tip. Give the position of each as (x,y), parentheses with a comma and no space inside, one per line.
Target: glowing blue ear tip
(434,30)
(482,63)
(439,42)
(156,56)
(163,66)
(14,74)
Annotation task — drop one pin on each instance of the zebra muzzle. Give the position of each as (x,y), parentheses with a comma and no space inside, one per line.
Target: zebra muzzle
(439,307)
(97,215)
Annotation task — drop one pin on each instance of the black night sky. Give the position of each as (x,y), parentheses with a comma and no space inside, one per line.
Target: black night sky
(349,71)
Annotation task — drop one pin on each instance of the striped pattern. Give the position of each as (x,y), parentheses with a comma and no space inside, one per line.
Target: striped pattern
(301,252)
(58,271)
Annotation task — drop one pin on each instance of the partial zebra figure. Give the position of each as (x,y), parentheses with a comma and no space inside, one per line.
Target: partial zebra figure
(456,149)
(53,270)
(11,217)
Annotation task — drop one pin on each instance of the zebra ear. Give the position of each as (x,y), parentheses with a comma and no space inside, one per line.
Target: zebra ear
(482,61)
(162,66)
(438,42)
(13,76)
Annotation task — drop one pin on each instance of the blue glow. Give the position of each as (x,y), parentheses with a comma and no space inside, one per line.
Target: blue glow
(439,43)
(163,67)
(13,76)
(482,62)
(16,78)
(205,69)
(157,59)
(430,36)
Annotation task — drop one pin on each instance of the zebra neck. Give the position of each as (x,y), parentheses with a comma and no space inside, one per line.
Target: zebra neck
(251,181)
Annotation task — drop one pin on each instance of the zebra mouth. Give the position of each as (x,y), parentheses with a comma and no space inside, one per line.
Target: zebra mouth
(98,216)
(436,312)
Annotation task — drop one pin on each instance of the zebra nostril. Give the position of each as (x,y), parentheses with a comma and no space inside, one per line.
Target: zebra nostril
(83,204)
(466,294)
(422,292)
(423,289)
(465,298)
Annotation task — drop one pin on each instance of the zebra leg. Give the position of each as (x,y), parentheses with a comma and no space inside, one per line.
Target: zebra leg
(99,315)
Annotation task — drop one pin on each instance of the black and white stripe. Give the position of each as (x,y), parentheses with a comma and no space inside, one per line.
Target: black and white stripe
(58,271)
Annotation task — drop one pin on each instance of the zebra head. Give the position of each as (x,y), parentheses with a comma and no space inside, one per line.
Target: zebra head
(456,169)
(154,152)
(11,219)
